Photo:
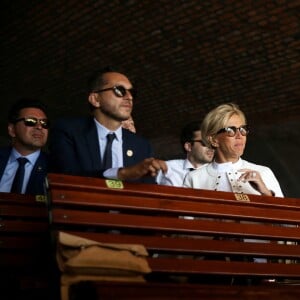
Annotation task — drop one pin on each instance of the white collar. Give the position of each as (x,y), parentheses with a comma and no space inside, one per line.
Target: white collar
(227,166)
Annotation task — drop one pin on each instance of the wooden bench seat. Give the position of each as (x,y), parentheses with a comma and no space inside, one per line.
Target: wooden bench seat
(172,291)
(192,235)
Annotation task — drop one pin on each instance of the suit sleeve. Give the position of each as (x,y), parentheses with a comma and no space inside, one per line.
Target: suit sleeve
(63,158)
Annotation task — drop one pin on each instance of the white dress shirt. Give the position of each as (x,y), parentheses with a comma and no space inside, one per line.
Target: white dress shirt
(177,170)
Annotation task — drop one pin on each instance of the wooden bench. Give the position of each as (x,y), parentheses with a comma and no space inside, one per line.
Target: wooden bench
(194,237)
(24,247)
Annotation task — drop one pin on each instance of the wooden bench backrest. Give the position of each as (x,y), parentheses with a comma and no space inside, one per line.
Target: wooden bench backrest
(24,242)
(173,222)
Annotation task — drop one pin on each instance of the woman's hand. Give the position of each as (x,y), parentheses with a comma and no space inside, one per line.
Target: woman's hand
(254,178)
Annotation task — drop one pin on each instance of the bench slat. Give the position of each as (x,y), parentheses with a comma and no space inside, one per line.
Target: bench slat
(173,225)
(174,291)
(232,268)
(194,246)
(134,203)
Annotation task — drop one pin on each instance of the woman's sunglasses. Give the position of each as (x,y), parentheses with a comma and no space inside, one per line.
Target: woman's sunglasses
(232,130)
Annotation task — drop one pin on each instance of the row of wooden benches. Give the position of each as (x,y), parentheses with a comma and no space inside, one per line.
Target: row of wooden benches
(200,243)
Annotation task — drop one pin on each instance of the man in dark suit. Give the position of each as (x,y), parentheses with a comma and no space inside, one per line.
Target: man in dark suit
(28,128)
(77,145)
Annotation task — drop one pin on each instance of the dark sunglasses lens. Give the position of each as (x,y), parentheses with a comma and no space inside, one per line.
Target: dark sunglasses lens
(120,91)
(30,122)
(244,130)
(45,124)
(231,131)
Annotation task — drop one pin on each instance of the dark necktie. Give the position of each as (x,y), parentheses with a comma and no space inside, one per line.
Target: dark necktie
(107,157)
(19,177)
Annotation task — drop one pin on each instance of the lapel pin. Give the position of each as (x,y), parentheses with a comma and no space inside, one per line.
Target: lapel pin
(129,153)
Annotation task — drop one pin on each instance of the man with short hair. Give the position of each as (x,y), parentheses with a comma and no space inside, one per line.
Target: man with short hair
(28,128)
(98,146)
(197,154)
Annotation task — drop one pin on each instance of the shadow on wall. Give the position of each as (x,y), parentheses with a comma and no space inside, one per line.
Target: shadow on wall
(279,152)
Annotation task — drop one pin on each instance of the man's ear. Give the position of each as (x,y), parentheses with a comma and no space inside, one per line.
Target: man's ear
(187,146)
(11,130)
(94,100)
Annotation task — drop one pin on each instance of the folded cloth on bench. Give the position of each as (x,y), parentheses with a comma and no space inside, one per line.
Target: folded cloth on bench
(76,255)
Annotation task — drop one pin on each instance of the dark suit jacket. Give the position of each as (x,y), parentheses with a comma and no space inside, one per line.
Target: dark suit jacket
(74,148)
(36,181)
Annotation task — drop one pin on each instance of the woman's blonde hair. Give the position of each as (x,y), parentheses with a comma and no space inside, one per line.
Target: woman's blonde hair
(217,119)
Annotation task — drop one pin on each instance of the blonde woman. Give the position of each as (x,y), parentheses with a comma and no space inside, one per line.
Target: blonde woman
(225,129)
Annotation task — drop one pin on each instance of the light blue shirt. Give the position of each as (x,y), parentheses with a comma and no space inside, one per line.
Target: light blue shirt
(11,169)
(117,149)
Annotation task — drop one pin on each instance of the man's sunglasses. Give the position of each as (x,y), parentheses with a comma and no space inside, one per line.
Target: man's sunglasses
(119,91)
(232,130)
(32,122)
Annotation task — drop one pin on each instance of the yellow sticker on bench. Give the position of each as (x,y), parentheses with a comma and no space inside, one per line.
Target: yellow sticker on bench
(242,197)
(40,198)
(114,184)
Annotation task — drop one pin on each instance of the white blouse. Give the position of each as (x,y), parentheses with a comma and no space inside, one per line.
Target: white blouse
(224,177)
